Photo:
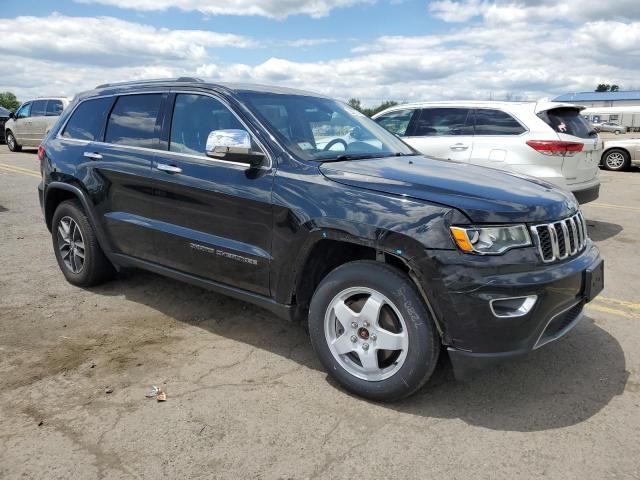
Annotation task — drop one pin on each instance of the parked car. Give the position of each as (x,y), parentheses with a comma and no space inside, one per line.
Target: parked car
(550,141)
(621,154)
(386,253)
(4,116)
(33,119)
(610,127)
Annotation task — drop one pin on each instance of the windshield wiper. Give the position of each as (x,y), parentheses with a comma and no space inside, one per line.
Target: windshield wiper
(362,156)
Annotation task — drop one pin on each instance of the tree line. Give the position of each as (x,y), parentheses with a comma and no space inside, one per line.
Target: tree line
(9,101)
(369,112)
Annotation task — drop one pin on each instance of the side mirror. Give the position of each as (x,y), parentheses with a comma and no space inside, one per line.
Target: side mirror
(233,145)
(12,115)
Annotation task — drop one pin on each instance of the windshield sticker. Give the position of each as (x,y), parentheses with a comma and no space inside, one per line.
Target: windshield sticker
(562,127)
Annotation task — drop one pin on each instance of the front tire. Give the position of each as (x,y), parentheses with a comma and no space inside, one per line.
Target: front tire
(372,332)
(12,143)
(76,247)
(616,160)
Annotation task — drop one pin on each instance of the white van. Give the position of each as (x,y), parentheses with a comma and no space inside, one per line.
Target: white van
(547,140)
(31,122)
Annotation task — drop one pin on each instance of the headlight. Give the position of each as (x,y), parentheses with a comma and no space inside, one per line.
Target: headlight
(490,240)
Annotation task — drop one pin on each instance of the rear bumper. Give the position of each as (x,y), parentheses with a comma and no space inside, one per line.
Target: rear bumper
(587,194)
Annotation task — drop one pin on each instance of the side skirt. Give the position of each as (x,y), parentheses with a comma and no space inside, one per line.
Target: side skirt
(286,312)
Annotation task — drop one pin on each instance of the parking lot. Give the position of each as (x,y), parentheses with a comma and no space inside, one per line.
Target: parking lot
(248,399)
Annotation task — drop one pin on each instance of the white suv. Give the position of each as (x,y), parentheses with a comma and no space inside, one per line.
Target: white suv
(547,140)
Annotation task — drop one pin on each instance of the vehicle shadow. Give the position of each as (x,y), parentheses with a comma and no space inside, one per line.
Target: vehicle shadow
(562,384)
(600,231)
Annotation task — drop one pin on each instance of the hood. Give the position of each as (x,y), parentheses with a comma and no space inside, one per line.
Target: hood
(485,195)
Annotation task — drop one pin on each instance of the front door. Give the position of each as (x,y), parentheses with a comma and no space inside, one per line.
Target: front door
(214,217)
(22,124)
(443,132)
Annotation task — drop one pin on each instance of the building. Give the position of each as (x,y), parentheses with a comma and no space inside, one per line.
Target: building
(602,99)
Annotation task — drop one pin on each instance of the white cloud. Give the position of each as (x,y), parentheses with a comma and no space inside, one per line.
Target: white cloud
(516,11)
(495,56)
(267,8)
(108,41)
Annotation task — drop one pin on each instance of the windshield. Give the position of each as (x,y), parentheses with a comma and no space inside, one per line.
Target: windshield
(321,129)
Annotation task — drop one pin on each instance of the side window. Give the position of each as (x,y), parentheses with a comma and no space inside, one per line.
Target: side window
(24,111)
(397,121)
(87,120)
(133,121)
(194,117)
(443,121)
(496,122)
(54,108)
(38,107)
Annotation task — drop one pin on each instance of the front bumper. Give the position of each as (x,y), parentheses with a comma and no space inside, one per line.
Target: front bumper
(463,286)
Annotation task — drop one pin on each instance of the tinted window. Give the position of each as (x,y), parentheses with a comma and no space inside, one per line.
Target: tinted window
(194,117)
(496,122)
(396,122)
(568,121)
(87,120)
(38,107)
(133,121)
(54,108)
(24,111)
(443,121)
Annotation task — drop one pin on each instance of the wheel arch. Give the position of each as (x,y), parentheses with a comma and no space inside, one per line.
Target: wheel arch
(58,192)
(327,250)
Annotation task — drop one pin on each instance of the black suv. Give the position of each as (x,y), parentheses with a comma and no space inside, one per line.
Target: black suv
(304,206)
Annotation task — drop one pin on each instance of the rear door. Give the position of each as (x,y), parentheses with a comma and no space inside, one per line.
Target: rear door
(213,217)
(122,166)
(497,138)
(570,126)
(443,132)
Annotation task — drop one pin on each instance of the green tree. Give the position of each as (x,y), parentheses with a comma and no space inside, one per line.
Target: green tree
(355,103)
(9,101)
(369,112)
(615,88)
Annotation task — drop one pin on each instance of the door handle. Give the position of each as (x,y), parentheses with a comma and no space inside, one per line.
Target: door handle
(459,146)
(168,168)
(93,155)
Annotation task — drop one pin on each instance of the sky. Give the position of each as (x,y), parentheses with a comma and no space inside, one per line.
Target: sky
(373,50)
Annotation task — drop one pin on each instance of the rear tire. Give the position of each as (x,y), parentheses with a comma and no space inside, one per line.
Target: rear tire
(373,304)
(616,160)
(76,247)
(12,143)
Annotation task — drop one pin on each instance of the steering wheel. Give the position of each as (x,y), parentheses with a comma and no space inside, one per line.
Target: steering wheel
(334,142)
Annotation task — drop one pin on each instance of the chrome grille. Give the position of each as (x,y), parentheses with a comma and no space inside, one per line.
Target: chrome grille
(561,240)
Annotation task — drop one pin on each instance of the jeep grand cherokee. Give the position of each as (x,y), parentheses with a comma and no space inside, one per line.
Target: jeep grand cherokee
(302,205)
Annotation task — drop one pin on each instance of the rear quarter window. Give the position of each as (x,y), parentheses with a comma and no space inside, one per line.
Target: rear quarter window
(568,121)
(88,119)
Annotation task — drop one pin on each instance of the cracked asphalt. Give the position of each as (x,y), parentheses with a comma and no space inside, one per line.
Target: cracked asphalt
(247,398)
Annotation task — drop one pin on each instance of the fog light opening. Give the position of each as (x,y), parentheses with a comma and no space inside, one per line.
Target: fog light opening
(512,307)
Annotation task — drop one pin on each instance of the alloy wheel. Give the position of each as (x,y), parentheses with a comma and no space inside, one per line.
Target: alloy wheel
(366,333)
(71,244)
(615,160)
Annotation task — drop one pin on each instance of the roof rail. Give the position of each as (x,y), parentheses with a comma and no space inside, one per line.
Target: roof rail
(151,81)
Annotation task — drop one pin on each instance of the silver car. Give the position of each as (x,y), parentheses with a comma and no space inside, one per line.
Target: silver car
(610,127)
(620,154)
(31,122)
